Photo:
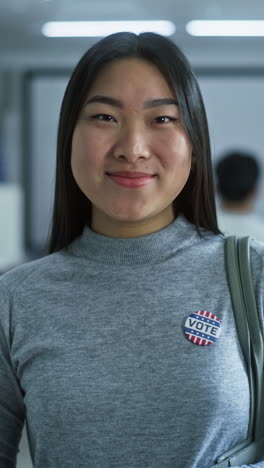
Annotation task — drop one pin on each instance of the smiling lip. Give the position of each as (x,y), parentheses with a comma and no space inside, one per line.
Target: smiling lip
(131,179)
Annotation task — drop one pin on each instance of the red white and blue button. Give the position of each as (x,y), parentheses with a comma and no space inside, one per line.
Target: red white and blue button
(202,328)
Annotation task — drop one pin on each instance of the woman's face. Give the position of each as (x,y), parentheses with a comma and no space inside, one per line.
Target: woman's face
(130,153)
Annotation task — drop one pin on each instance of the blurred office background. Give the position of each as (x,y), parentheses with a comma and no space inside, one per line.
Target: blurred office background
(34,70)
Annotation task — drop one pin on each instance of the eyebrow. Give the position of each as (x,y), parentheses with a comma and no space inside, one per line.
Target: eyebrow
(117,103)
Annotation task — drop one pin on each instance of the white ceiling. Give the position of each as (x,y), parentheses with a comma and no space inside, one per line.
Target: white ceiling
(21,21)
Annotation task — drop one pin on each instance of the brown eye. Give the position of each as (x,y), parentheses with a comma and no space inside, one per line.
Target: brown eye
(104,117)
(163,119)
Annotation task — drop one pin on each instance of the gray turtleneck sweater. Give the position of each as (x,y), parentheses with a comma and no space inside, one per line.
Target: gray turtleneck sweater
(94,356)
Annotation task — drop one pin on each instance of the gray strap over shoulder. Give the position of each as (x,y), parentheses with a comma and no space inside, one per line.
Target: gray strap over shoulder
(237,256)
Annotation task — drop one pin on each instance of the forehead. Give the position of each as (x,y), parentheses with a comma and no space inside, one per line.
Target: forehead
(131,77)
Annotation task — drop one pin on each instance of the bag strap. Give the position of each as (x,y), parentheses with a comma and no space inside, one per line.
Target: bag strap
(239,309)
(256,335)
(237,256)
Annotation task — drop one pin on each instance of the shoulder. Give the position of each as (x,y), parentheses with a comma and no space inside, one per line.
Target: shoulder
(257,254)
(30,272)
(257,268)
(257,264)
(26,285)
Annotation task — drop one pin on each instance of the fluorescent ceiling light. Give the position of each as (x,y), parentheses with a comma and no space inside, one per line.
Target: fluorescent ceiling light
(225,28)
(103,28)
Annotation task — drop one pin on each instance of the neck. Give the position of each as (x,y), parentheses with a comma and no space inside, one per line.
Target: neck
(121,229)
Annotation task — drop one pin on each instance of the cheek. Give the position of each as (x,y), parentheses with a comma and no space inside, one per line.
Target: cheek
(79,153)
(85,156)
(178,154)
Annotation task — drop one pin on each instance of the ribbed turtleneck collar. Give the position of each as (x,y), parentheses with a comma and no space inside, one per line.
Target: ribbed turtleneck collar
(150,248)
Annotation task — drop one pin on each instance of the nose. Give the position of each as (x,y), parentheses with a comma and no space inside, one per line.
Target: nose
(132,144)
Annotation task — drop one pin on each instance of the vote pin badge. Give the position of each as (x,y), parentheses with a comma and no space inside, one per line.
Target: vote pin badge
(202,328)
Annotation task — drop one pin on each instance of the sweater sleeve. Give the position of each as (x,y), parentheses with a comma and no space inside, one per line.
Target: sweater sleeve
(12,411)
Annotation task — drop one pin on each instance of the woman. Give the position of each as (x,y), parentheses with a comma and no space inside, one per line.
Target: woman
(100,340)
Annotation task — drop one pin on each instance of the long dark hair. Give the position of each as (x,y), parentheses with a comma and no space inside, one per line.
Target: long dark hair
(72,209)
